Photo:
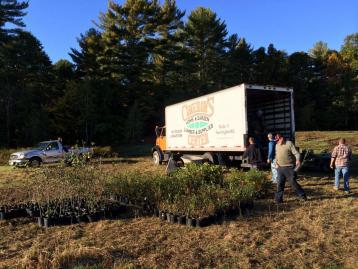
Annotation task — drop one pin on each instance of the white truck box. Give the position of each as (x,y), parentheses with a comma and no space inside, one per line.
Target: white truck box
(223,120)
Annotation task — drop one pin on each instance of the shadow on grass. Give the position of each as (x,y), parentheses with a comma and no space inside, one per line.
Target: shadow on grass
(115,161)
(320,197)
(138,150)
(320,184)
(318,187)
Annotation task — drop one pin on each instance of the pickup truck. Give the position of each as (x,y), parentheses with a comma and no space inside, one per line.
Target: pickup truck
(45,152)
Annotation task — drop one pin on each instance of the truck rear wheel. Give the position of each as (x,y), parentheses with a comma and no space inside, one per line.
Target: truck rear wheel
(157,158)
(208,158)
(34,162)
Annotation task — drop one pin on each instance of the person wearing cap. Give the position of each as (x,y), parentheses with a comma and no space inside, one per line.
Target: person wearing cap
(271,156)
(340,159)
(286,158)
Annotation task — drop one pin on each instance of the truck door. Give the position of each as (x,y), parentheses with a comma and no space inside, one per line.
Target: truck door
(53,153)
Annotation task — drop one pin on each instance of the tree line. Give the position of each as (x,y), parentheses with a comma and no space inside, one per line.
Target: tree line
(141,56)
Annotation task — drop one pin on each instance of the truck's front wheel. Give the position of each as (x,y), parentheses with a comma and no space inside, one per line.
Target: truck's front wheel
(34,162)
(157,158)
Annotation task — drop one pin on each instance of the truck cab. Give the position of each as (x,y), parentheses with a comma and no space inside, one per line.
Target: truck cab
(158,151)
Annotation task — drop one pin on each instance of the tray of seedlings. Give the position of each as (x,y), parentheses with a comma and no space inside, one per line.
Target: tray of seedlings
(196,196)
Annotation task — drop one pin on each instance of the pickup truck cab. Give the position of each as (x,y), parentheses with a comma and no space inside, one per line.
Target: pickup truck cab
(44,152)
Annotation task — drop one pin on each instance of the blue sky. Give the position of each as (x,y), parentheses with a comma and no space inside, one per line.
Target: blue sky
(291,25)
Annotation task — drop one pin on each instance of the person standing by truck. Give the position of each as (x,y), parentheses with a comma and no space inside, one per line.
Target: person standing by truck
(340,159)
(253,154)
(271,156)
(286,155)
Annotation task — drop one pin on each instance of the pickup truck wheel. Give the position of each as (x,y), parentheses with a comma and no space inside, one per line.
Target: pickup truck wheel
(157,158)
(34,162)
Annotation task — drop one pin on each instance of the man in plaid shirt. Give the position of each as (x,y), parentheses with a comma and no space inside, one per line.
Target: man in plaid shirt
(340,159)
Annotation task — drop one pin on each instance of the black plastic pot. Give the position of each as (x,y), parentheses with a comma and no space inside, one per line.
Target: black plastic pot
(48,222)
(93,217)
(205,221)
(81,218)
(190,222)
(15,212)
(218,217)
(155,212)
(232,212)
(115,211)
(162,215)
(29,212)
(33,212)
(246,207)
(182,219)
(125,200)
(173,218)
(2,215)
(64,220)
(40,221)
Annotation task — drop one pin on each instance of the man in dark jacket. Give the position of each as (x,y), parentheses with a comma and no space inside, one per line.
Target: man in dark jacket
(252,153)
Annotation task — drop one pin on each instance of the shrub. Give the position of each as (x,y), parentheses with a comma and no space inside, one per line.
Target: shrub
(134,185)
(195,190)
(245,186)
(58,188)
(193,176)
(260,181)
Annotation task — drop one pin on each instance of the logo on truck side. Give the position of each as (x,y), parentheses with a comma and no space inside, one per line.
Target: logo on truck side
(197,121)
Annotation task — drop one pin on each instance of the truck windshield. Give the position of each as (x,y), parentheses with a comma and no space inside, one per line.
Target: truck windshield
(41,146)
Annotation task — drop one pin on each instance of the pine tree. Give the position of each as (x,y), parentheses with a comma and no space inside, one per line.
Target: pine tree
(86,59)
(128,39)
(129,36)
(275,66)
(11,11)
(25,77)
(205,36)
(239,62)
(168,44)
(299,76)
(259,68)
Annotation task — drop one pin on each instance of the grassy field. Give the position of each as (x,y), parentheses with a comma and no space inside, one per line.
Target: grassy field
(325,141)
(319,233)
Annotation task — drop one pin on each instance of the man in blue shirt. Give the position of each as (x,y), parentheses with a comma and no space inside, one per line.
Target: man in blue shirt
(271,156)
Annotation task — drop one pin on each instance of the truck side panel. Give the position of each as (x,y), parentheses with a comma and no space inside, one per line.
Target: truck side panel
(214,122)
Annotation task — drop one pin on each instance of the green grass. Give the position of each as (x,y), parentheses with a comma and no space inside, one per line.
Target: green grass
(325,141)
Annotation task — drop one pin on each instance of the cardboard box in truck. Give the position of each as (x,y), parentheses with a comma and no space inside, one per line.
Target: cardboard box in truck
(218,125)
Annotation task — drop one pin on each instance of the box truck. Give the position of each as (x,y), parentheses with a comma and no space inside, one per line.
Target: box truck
(216,127)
